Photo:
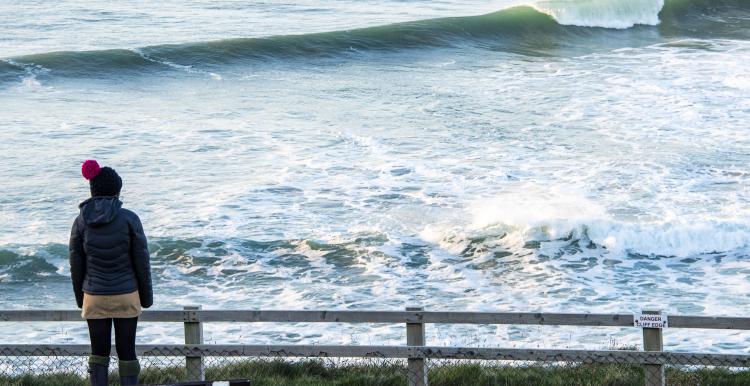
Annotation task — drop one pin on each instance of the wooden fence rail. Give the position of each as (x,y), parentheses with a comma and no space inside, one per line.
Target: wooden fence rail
(416,350)
(430,317)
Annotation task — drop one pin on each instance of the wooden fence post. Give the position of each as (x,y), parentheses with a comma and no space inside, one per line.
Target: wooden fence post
(415,336)
(653,341)
(193,335)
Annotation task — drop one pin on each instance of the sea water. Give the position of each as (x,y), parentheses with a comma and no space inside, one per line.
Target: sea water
(557,156)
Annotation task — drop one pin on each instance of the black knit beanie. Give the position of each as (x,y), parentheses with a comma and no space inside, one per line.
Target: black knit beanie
(103,181)
(106,183)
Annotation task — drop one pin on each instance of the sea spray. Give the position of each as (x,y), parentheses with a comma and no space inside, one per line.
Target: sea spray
(603,13)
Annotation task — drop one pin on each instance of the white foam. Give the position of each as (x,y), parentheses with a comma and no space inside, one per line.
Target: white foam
(29,81)
(603,13)
(181,67)
(679,238)
(740,82)
(553,214)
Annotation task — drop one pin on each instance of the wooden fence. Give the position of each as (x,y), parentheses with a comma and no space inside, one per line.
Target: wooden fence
(416,350)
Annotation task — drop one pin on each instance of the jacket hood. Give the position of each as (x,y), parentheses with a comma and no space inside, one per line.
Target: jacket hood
(100,210)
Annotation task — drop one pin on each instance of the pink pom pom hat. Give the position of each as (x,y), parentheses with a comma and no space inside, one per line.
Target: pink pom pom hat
(90,169)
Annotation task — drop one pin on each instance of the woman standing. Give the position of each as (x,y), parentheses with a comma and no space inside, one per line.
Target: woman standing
(111,272)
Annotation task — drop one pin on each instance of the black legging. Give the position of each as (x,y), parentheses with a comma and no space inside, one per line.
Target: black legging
(100,331)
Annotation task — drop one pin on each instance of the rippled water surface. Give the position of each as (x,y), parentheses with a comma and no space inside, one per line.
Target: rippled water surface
(558,156)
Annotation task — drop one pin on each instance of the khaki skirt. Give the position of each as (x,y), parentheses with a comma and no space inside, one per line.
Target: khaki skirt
(111,306)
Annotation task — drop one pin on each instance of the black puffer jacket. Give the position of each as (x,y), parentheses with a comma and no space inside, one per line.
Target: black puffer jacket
(108,252)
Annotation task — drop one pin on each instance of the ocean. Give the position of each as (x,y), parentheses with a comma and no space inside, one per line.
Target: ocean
(556,156)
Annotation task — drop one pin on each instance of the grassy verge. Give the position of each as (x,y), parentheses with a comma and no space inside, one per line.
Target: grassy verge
(316,373)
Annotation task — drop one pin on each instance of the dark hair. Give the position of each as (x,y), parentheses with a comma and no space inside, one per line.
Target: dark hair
(106,183)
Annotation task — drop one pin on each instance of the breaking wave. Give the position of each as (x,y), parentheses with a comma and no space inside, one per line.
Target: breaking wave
(239,260)
(542,28)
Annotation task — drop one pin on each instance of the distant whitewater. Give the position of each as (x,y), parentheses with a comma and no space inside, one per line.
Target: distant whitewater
(605,14)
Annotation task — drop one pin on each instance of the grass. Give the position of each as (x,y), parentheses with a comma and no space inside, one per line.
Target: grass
(317,373)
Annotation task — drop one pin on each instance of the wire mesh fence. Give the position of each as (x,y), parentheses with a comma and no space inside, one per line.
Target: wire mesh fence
(169,365)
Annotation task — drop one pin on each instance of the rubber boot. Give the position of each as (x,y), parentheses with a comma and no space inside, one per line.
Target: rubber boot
(129,371)
(99,370)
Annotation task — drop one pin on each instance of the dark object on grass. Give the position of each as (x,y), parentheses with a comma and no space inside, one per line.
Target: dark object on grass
(236,382)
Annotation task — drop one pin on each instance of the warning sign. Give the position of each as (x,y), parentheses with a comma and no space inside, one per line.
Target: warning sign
(650,320)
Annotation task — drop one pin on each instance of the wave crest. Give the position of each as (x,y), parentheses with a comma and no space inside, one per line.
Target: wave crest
(617,14)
